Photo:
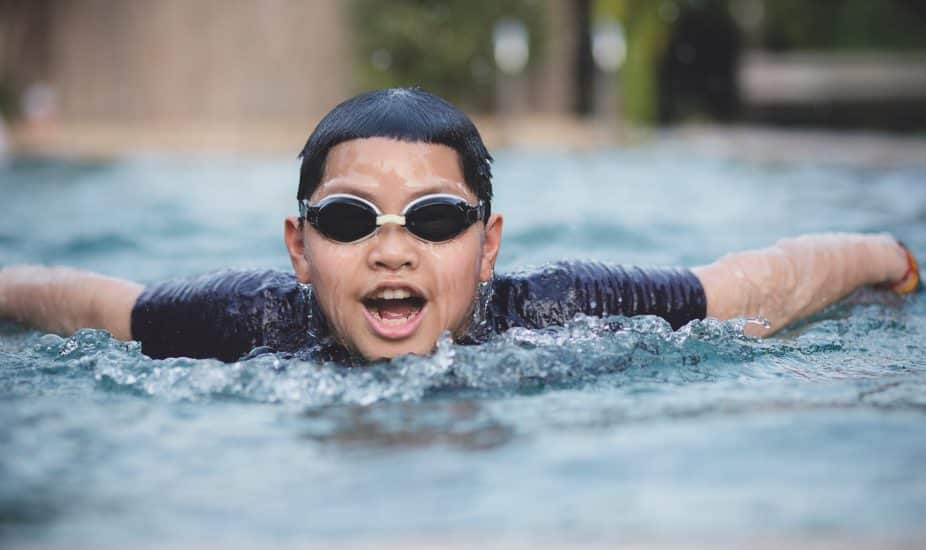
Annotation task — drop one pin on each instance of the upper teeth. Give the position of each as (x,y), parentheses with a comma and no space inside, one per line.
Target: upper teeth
(393,294)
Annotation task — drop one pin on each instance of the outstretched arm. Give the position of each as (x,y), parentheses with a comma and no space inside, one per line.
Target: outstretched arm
(63,300)
(800,276)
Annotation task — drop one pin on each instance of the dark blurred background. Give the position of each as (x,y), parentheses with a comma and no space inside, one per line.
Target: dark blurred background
(258,73)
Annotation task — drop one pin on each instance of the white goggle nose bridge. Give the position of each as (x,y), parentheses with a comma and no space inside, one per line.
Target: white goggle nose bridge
(383,219)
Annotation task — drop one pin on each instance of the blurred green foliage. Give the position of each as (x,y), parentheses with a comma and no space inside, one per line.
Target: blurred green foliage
(650,26)
(647,35)
(8,103)
(872,25)
(822,25)
(444,46)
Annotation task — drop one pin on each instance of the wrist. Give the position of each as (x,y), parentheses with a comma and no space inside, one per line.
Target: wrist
(901,273)
(911,276)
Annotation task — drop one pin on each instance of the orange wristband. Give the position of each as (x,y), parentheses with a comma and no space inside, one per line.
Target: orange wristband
(911,278)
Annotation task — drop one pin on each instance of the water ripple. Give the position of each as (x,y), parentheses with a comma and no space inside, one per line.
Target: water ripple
(587,352)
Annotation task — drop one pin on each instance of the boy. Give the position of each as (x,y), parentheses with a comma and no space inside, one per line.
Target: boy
(396,243)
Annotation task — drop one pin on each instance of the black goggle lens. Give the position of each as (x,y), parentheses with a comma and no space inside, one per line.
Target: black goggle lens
(345,220)
(439,221)
(434,219)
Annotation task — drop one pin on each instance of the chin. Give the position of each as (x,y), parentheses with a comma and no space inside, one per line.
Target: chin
(386,352)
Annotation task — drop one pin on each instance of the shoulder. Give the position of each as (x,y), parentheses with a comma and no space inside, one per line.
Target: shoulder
(543,295)
(221,314)
(556,292)
(561,276)
(568,273)
(226,283)
(247,296)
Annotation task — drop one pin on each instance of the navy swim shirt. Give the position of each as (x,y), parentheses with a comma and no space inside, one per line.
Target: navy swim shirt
(230,314)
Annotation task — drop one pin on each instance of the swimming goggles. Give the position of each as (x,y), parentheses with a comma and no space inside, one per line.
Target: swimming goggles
(348,218)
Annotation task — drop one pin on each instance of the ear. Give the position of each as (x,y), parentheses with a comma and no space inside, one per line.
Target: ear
(293,234)
(491,246)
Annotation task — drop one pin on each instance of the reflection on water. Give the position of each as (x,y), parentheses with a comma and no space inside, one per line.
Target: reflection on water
(458,423)
(608,429)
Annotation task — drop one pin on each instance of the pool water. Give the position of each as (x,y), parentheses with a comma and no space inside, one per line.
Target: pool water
(580,433)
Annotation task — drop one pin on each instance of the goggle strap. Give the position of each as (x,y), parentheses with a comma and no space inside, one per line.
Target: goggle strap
(308,213)
(474,214)
(389,218)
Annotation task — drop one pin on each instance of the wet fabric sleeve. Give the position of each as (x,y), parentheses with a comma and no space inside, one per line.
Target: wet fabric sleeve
(556,293)
(222,315)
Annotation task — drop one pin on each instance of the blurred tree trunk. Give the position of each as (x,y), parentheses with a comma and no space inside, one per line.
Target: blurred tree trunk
(584,64)
(24,48)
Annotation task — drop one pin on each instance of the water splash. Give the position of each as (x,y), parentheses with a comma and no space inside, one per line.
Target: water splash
(616,351)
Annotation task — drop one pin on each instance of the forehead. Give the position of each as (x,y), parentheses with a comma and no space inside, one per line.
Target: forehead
(383,162)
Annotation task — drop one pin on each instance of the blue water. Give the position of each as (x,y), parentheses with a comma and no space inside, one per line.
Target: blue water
(580,433)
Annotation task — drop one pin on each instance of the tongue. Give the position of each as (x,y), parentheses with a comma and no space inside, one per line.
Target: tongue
(397,309)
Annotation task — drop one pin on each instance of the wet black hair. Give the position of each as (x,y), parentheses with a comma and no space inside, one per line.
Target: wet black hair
(406,114)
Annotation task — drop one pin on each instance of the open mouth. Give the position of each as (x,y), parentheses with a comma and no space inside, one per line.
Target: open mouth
(394,307)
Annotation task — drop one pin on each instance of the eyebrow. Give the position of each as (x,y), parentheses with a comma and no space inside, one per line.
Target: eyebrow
(434,189)
(345,187)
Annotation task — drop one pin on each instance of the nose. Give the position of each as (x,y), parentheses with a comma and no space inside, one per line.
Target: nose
(393,249)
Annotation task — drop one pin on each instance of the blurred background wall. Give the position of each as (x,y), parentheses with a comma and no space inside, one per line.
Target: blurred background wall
(179,60)
(200,70)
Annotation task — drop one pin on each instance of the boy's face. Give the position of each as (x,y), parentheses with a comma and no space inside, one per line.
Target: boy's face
(394,293)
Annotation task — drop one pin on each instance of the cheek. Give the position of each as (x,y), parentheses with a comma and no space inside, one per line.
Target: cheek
(331,267)
(328,260)
(456,274)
